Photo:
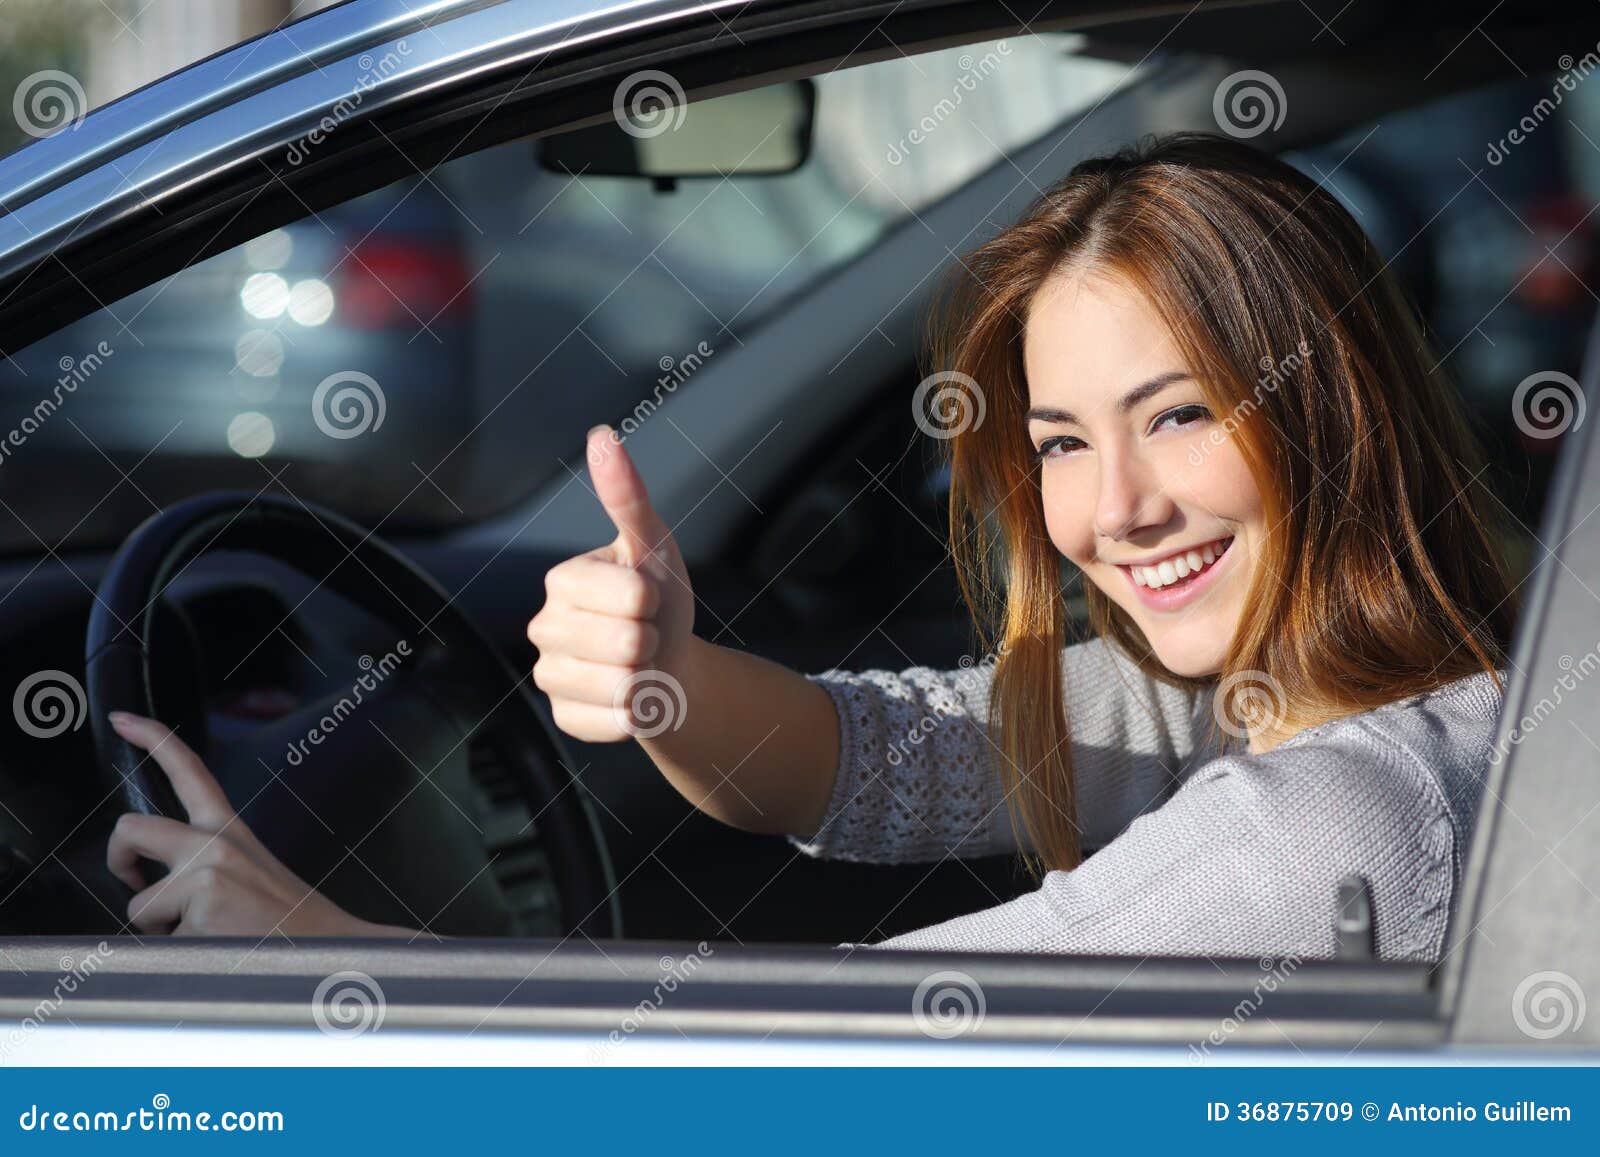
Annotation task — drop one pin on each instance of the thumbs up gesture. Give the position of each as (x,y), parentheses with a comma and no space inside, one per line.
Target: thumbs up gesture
(617,623)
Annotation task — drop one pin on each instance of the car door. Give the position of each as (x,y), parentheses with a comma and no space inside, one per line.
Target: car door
(1524,955)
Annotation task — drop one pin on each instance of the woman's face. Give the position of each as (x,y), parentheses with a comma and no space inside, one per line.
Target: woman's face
(1161,516)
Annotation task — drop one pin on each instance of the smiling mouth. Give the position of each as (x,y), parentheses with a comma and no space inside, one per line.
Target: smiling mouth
(1181,568)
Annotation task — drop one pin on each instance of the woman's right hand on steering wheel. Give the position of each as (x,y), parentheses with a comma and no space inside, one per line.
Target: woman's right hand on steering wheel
(615,613)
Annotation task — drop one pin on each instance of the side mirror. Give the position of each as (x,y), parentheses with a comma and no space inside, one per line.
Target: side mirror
(655,134)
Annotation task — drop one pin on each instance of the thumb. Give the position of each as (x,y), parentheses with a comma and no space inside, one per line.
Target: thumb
(622,492)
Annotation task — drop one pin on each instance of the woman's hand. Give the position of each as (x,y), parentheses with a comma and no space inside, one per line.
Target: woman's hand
(221,880)
(616,616)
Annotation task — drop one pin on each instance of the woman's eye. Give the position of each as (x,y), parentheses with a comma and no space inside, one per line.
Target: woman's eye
(1182,416)
(1066,440)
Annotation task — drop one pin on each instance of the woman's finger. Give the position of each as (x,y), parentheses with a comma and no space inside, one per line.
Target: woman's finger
(202,797)
(192,902)
(589,583)
(564,677)
(153,837)
(160,906)
(596,637)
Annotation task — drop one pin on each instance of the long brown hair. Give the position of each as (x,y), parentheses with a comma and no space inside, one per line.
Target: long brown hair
(1381,575)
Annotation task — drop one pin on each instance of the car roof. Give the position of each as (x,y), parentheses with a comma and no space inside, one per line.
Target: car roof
(274,59)
(294,50)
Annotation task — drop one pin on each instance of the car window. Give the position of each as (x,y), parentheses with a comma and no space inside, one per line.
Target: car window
(1492,234)
(419,356)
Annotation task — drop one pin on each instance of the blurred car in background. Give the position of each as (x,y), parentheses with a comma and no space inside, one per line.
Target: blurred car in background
(347,335)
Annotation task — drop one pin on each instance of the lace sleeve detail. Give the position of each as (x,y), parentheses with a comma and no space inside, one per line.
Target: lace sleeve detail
(918,773)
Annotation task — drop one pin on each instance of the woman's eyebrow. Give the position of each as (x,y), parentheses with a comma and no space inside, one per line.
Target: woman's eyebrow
(1140,393)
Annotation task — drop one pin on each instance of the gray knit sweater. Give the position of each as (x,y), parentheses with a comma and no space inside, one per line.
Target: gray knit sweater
(1191,850)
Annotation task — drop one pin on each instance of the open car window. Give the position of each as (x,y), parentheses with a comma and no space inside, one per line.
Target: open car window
(424,354)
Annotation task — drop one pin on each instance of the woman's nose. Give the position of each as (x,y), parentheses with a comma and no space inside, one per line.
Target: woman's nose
(1129,497)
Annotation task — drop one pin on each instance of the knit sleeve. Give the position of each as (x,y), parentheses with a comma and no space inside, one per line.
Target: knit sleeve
(1245,860)
(918,772)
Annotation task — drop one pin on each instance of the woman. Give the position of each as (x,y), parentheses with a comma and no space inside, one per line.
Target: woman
(1186,371)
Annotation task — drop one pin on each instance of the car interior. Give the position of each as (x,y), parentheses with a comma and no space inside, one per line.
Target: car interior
(365,427)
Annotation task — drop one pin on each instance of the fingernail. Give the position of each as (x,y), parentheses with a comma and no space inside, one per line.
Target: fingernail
(119,718)
(602,426)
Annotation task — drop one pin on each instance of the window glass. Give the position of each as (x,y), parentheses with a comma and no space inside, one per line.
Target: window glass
(420,356)
(1495,240)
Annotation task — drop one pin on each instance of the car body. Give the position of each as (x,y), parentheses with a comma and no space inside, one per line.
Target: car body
(771,500)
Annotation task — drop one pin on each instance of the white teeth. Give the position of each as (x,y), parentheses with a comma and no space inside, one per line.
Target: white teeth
(1169,571)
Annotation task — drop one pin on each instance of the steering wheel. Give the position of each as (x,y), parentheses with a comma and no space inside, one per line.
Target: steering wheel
(401,790)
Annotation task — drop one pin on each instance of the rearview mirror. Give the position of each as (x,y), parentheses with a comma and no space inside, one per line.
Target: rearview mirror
(656,134)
